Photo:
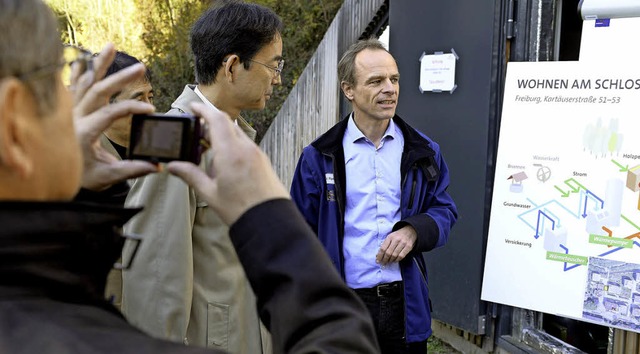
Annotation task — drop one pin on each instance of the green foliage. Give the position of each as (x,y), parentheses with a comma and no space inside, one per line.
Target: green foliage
(93,23)
(437,346)
(167,24)
(154,31)
(306,22)
(157,33)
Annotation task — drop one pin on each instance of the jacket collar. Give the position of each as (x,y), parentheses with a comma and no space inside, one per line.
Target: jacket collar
(188,96)
(416,147)
(108,146)
(414,142)
(62,250)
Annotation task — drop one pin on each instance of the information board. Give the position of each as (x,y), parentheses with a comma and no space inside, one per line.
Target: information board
(564,233)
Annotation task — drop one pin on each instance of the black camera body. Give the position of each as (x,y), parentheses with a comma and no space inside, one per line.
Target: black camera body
(164,138)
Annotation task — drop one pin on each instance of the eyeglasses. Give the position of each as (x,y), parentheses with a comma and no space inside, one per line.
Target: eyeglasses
(75,62)
(277,70)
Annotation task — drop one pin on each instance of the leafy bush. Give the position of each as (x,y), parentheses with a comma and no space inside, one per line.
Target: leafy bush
(157,33)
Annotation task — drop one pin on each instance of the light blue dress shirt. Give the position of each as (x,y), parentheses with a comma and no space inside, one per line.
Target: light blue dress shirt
(373,204)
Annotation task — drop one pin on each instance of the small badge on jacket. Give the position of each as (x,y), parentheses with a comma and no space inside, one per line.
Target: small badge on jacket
(331,196)
(329,178)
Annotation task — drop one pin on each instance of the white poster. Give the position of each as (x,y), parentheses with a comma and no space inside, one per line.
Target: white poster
(564,233)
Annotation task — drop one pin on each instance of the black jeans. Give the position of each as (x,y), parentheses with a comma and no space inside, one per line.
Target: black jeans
(386,306)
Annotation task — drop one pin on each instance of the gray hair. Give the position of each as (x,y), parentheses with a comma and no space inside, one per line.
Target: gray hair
(347,64)
(29,41)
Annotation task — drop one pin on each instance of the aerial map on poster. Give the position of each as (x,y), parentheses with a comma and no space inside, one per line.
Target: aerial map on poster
(564,234)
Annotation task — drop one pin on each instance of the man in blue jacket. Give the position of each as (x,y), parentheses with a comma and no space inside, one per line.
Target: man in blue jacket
(375,191)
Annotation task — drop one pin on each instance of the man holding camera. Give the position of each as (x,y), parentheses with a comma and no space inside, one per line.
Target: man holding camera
(55,253)
(188,284)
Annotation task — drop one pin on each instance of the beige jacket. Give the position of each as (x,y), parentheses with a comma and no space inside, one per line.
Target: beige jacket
(113,288)
(187,283)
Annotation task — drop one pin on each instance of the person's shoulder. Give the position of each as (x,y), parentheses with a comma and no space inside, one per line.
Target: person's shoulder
(182,103)
(414,137)
(407,128)
(331,140)
(310,151)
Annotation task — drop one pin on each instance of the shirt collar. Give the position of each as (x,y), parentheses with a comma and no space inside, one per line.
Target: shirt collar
(205,100)
(354,134)
(208,103)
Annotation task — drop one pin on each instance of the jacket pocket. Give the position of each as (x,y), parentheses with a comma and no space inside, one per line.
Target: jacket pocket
(217,325)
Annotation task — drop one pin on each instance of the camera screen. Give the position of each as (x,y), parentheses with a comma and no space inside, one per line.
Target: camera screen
(161,138)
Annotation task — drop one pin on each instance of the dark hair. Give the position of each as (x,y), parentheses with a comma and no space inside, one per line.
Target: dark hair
(233,28)
(347,64)
(29,42)
(121,61)
(124,60)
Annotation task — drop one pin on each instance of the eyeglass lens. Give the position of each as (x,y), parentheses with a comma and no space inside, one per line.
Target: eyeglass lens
(76,62)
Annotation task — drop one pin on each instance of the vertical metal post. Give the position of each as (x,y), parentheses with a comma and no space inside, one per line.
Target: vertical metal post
(535,30)
(610,338)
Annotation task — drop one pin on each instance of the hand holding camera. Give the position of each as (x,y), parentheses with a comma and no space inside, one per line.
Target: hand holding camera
(93,115)
(241,176)
(165,138)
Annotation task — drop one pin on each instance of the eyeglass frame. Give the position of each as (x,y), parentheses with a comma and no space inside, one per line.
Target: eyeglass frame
(85,56)
(277,70)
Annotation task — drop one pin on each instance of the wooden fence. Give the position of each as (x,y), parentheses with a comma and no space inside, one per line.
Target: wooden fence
(313,106)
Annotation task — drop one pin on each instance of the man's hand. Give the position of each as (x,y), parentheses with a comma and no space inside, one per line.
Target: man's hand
(397,245)
(241,176)
(93,114)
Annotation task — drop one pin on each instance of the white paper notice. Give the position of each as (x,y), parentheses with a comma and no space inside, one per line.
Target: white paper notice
(438,72)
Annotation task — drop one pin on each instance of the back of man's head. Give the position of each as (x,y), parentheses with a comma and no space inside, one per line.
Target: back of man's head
(30,48)
(234,27)
(40,158)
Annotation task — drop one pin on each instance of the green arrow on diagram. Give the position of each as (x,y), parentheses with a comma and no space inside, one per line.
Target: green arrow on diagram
(573,188)
(622,168)
(563,193)
(629,221)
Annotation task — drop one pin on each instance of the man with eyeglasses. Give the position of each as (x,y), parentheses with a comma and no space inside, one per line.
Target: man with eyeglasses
(188,285)
(55,252)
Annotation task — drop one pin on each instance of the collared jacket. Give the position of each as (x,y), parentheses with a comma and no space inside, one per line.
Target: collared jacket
(188,284)
(113,289)
(318,188)
(54,259)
